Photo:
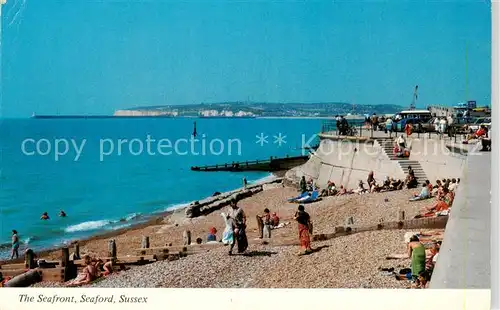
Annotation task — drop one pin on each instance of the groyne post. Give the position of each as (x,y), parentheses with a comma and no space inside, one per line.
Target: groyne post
(401,216)
(29,259)
(77,251)
(112,249)
(69,269)
(64,257)
(186,236)
(145,242)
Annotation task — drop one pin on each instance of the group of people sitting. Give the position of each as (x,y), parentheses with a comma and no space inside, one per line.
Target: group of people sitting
(423,250)
(373,186)
(94,269)
(444,191)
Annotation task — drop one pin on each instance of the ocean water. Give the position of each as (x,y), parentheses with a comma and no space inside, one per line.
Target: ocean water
(104,184)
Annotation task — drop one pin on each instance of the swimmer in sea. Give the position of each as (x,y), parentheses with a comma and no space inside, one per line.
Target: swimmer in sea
(15,244)
(45,216)
(62,214)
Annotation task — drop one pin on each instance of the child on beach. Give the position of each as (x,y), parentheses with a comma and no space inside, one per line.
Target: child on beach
(211,235)
(275,219)
(266,221)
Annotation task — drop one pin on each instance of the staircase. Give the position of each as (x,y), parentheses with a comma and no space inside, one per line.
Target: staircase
(387,145)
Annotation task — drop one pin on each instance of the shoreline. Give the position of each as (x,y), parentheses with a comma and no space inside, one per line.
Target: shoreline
(273,264)
(152,219)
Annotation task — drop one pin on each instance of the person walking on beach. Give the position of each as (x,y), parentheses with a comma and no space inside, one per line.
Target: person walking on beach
(304,223)
(245,183)
(15,245)
(228,234)
(239,220)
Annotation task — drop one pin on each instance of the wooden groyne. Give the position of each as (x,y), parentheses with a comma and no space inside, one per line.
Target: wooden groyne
(217,202)
(271,164)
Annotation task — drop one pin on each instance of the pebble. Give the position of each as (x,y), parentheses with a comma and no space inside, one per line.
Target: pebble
(345,262)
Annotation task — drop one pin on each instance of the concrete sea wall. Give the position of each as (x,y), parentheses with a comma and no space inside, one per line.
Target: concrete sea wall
(347,161)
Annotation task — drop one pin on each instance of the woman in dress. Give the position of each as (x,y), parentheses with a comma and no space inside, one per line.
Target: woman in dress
(304,223)
(227,235)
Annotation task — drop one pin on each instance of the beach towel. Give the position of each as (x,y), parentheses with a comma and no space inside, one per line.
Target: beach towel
(304,194)
(227,236)
(312,198)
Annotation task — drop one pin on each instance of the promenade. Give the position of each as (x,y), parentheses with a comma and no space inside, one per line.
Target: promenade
(464,259)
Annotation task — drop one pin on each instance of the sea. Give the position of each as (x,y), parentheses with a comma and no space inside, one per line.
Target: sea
(108,174)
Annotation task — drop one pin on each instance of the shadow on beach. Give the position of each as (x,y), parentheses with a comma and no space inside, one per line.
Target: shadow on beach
(316,249)
(259,253)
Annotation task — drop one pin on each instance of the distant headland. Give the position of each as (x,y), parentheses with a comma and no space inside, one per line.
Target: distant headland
(259,109)
(244,110)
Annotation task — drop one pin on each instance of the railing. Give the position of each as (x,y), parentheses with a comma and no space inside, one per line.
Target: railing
(354,128)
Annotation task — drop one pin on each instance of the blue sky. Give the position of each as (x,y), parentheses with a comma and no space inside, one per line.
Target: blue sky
(83,56)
